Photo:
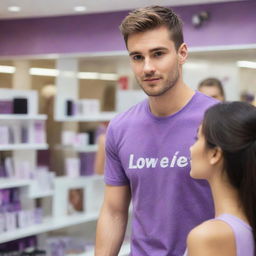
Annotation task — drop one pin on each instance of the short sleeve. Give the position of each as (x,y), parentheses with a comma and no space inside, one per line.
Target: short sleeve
(114,172)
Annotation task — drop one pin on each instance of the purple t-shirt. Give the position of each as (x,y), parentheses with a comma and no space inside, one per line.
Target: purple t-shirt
(151,155)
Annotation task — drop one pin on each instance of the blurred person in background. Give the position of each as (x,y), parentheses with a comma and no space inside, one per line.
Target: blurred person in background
(99,162)
(212,87)
(248,97)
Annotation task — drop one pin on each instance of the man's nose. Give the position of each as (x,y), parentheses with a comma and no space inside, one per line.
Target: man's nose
(149,67)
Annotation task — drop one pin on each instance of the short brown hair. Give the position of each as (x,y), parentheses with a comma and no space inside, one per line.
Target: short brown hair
(213,82)
(144,19)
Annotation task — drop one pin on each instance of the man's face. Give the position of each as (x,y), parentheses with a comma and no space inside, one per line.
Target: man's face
(154,60)
(212,91)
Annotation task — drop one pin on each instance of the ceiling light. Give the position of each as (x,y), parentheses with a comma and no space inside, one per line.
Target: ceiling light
(43,72)
(88,75)
(80,8)
(55,72)
(107,76)
(13,8)
(246,64)
(7,69)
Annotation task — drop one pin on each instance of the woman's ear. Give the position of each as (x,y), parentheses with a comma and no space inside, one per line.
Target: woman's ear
(216,155)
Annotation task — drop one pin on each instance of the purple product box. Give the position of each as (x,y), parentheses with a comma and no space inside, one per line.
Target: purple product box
(6,107)
(87,163)
(2,171)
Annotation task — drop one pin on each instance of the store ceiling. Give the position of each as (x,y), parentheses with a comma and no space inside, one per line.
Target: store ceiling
(42,8)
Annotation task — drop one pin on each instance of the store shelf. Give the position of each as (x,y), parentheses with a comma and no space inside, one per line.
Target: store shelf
(41,194)
(103,116)
(13,183)
(78,182)
(87,148)
(22,117)
(23,146)
(48,224)
(125,250)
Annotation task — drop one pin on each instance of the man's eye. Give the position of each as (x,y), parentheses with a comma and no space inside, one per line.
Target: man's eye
(158,54)
(137,57)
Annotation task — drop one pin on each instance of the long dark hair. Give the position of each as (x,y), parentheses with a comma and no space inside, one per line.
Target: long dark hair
(232,127)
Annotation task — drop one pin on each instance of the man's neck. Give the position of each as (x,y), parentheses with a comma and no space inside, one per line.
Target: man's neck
(172,101)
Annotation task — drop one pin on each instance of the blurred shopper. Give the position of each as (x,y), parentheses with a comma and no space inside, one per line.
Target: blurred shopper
(100,155)
(248,97)
(147,147)
(225,155)
(212,87)
(99,163)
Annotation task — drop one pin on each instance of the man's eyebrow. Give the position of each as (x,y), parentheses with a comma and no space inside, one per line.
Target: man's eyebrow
(158,49)
(134,53)
(151,50)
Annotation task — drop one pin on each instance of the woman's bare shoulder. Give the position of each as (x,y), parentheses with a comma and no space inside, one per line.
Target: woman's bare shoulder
(213,237)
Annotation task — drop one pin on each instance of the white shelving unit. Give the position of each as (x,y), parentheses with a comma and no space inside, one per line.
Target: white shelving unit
(49,224)
(68,90)
(92,185)
(60,219)
(101,117)
(125,250)
(40,194)
(13,183)
(22,117)
(87,148)
(6,183)
(23,146)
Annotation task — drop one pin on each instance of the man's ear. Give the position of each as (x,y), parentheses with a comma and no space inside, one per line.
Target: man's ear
(215,155)
(183,53)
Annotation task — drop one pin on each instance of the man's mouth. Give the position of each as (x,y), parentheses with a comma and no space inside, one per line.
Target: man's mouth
(151,79)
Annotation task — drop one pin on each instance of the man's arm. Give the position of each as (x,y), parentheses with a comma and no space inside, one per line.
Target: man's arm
(113,219)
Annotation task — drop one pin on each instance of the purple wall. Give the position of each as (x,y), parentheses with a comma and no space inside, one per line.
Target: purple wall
(230,23)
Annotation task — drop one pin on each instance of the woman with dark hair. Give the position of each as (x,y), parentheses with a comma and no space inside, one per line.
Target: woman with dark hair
(224,154)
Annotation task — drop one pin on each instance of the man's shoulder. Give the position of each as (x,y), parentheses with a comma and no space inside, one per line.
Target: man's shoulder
(201,102)
(205,100)
(133,113)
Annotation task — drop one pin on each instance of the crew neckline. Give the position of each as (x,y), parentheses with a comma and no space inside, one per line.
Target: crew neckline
(162,118)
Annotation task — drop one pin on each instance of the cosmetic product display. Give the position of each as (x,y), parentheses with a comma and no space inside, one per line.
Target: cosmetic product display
(39,132)
(66,245)
(32,200)
(6,107)
(12,214)
(70,138)
(69,108)
(20,106)
(22,247)
(72,165)
(21,133)
(87,160)
(82,107)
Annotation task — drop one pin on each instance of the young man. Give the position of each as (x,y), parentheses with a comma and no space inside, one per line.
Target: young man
(213,88)
(147,147)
